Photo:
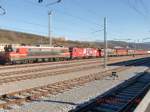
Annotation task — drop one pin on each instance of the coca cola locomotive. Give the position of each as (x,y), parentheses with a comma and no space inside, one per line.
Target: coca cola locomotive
(30,54)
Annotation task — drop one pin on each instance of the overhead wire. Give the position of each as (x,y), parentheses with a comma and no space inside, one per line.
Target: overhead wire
(88,10)
(135,8)
(38,25)
(133,4)
(63,12)
(72,16)
(52,3)
(45,26)
(3,11)
(141,2)
(98,31)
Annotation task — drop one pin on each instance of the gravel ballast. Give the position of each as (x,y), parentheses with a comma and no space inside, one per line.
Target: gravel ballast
(70,99)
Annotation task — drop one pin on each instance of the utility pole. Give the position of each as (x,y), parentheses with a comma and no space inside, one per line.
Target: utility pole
(49,27)
(105,44)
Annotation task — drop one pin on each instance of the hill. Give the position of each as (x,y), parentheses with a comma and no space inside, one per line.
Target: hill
(14,37)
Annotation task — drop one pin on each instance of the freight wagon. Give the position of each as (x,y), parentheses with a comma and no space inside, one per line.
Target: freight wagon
(139,52)
(84,52)
(110,52)
(121,52)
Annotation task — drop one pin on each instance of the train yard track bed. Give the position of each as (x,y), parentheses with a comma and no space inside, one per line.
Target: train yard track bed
(65,93)
(12,84)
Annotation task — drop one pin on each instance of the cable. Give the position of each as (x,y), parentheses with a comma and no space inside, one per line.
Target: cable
(143,5)
(98,31)
(35,4)
(77,17)
(68,14)
(52,3)
(135,8)
(40,1)
(3,11)
(88,10)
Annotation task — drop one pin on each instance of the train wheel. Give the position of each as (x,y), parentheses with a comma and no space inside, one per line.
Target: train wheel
(25,61)
(43,59)
(30,61)
(49,60)
(13,62)
(2,63)
(46,60)
(63,59)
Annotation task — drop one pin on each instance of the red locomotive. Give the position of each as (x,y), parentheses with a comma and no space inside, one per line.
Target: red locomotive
(28,54)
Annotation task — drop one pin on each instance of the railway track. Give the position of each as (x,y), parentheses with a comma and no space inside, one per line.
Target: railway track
(56,72)
(45,68)
(52,67)
(43,64)
(28,95)
(123,98)
(5,67)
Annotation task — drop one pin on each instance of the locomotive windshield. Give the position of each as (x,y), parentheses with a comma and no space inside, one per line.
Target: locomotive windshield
(8,48)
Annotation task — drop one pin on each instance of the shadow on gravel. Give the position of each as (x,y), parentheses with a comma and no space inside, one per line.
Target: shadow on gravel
(138,62)
(59,102)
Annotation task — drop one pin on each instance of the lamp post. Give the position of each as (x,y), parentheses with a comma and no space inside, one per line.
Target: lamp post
(49,21)
(49,28)
(105,44)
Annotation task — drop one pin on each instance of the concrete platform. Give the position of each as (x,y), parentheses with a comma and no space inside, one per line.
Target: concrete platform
(144,106)
(148,108)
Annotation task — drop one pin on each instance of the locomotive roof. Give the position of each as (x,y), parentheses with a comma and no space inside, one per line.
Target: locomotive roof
(37,47)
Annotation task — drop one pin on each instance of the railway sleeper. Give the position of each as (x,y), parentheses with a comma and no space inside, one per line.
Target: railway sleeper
(108,106)
(101,109)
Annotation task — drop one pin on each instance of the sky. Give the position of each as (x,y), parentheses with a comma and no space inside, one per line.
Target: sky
(81,20)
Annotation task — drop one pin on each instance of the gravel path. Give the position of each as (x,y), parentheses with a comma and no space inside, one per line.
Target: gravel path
(70,99)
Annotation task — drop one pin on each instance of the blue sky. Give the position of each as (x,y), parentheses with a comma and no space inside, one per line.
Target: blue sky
(79,19)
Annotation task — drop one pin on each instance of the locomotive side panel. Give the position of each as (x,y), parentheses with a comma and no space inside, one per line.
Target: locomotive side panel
(122,52)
